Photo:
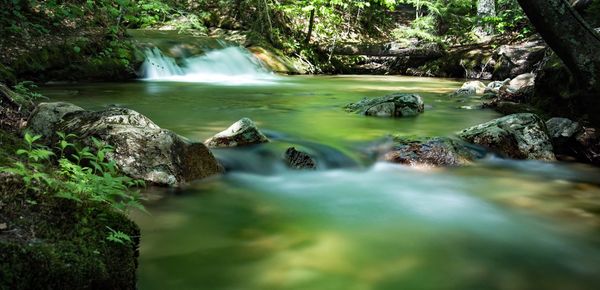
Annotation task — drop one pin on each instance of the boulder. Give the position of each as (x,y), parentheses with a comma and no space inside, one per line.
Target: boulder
(435,151)
(518,136)
(298,160)
(564,134)
(519,89)
(587,146)
(142,149)
(493,88)
(520,58)
(520,82)
(394,105)
(241,133)
(46,116)
(470,89)
(562,128)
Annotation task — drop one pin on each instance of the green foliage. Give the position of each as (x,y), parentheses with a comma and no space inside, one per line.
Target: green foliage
(118,237)
(25,90)
(422,28)
(84,175)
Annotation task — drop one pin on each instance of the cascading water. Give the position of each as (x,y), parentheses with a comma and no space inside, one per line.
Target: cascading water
(229,65)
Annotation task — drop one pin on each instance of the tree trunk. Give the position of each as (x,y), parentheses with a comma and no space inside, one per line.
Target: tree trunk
(485,8)
(311,23)
(571,38)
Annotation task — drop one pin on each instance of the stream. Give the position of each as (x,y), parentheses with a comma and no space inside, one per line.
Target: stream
(355,223)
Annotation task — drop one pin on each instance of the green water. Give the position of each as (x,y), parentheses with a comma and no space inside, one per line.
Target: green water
(356,224)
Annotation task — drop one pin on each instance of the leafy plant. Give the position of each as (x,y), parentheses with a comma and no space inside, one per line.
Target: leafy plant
(26,90)
(118,237)
(84,174)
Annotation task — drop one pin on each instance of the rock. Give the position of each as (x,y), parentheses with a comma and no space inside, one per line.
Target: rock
(142,149)
(562,128)
(518,136)
(241,133)
(520,82)
(513,60)
(478,86)
(494,87)
(394,105)
(587,146)
(509,108)
(436,151)
(519,89)
(46,116)
(298,160)
(3,226)
(468,89)
(564,133)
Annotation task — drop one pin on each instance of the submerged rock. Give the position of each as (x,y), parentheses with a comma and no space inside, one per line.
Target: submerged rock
(241,133)
(394,105)
(142,149)
(298,160)
(46,116)
(434,151)
(518,136)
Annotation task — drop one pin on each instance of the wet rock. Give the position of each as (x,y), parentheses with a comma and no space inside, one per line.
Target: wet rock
(241,133)
(394,105)
(513,60)
(471,88)
(435,151)
(562,128)
(493,88)
(142,149)
(298,160)
(46,116)
(518,136)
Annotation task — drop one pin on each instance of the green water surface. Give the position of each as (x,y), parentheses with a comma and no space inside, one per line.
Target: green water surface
(372,226)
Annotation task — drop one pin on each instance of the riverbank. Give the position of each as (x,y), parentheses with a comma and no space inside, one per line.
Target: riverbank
(51,242)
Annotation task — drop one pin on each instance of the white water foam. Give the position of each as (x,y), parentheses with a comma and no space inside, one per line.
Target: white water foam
(228,66)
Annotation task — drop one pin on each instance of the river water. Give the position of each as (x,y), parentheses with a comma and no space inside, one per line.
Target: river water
(354,224)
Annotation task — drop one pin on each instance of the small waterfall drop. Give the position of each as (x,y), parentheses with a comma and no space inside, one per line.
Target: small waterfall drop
(228,65)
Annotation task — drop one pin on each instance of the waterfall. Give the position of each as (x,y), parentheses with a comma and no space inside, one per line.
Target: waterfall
(228,65)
